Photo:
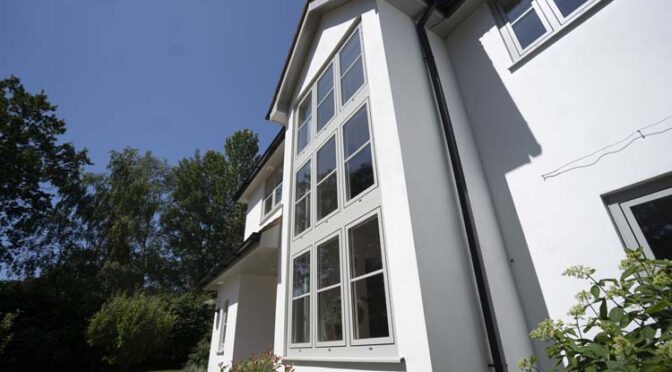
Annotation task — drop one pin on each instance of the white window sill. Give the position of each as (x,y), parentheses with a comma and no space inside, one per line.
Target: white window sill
(388,360)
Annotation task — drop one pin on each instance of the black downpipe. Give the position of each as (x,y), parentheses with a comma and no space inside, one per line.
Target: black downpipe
(494,339)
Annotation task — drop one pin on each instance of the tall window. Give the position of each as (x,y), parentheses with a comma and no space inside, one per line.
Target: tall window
(223,319)
(338,293)
(302,204)
(643,216)
(528,22)
(303,132)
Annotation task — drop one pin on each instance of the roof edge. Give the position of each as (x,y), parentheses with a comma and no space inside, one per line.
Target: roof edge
(274,145)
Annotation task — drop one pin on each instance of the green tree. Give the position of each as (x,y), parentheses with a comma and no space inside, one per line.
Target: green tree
(202,221)
(40,181)
(131,330)
(6,334)
(126,205)
(622,324)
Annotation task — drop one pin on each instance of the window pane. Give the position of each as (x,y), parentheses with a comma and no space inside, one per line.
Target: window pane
(325,111)
(303,137)
(326,159)
(350,52)
(369,308)
(302,215)
(328,264)
(305,110)
(327,196)
(359,173)
(655,220)
(330,325)
(567,7)
(365,252)
(325,84)
(301,278)
(355,132)
(528,29)
(303,180)
(515,8)
(301,320)
(352,81)
(278,194)
(268,203)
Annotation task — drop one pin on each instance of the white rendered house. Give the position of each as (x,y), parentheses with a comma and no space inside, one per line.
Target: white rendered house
(440,163)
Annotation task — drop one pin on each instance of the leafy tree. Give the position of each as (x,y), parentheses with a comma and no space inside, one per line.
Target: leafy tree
(124,219)
(622,324)
(202,221)
(40,181)
(131,330)
(6,334)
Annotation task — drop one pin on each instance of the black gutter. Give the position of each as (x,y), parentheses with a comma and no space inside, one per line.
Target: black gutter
(260,163)
(491,328)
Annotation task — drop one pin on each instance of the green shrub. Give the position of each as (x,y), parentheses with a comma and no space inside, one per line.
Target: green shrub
(622,324)
(198,358)
(130,330)
(6,334)
(264,362)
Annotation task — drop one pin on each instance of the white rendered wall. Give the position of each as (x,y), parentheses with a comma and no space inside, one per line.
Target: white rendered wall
(227,291)
(256,316)
(253,218)
(599,82)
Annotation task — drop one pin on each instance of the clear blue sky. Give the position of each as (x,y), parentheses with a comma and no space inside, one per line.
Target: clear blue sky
(168,76)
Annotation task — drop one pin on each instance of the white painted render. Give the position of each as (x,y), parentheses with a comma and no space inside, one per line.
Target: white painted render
(226,291)
(254,221)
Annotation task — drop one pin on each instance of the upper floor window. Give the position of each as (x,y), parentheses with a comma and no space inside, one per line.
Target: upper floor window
(351,68)
(223,316)
(528,22)
(273,194)
(643,217)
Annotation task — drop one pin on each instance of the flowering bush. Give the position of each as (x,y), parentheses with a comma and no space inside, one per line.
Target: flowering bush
(629,321)
(264,362)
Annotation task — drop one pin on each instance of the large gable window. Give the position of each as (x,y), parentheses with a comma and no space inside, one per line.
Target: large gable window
(339,305)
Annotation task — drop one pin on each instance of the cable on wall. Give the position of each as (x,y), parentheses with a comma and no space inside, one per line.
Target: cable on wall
(659,127)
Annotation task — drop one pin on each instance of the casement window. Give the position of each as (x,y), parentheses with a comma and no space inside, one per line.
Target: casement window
(273,191)
(527,23)
(643,217)
(223,316)
(338,297)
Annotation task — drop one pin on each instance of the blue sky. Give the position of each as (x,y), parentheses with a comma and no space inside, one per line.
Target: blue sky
(168,76)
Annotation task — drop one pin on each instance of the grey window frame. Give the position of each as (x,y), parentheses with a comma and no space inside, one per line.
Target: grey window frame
(341,74)
(223,321)
(619,203)
(309,294)
(335,171)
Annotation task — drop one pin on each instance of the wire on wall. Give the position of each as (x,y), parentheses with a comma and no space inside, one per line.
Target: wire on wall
(659,127)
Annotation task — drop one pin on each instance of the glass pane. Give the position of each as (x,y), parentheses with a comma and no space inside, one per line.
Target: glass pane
(359,173)
(330,325)
(567,7)
(325,84)
(655,220)
(355,132)
(303,180)
(278,194)
(302,215)
(328,264)
(365,253)
(303,137)
(352,80)
(350,52)
(326,159)
(268,203)
(514,9)
(327,197)
(301,320)
(305,110)
(301,278)
(369,308)
(528,29)
(325,111)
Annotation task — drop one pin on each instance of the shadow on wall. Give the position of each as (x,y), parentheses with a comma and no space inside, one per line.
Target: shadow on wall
(505,142)
(400,367)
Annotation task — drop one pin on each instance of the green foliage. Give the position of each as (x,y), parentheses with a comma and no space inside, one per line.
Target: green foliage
(264,362)
(202,222)
(622,324)
(198,358)
(40,179)
(6,334)
(130,330)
